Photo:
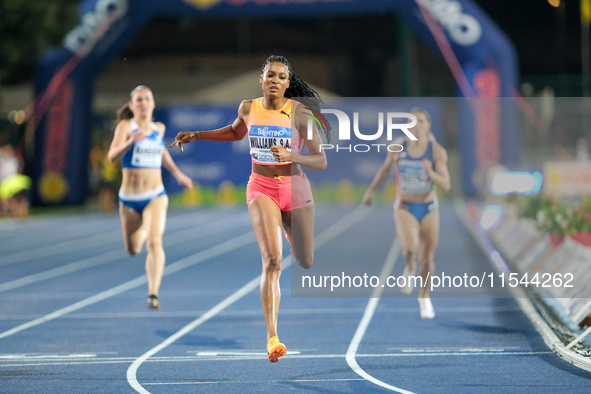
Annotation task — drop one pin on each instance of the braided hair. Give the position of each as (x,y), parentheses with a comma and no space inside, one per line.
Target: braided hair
(300,89)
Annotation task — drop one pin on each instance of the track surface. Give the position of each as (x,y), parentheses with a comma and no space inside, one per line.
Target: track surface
(74,316)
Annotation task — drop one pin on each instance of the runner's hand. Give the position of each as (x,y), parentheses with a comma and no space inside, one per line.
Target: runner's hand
(367,199)
(280,154)
(184,181)
(184,137)
(427,165)
(136,136)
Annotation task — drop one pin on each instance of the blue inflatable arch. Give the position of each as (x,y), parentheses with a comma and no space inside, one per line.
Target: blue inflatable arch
(62,136)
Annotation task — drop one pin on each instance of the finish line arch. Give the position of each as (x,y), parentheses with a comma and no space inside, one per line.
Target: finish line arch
(67,73)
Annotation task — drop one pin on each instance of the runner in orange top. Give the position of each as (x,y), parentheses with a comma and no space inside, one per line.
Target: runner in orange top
(278,192)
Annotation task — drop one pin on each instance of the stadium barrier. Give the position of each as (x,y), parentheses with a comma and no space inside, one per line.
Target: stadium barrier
(536,255)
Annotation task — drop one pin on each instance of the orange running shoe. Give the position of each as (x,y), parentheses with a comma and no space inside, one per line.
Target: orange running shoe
(275,349)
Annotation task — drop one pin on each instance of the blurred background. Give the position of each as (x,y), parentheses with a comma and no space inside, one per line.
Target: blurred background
(67,65)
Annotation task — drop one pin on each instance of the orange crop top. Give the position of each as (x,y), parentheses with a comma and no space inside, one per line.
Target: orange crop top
(271,127)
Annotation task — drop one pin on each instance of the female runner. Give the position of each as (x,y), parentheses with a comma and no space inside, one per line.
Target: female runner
(420,166)
(142,199)
(278,192)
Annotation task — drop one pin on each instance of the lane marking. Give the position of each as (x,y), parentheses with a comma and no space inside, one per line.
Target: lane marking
(76,244)
(366,319)
(327,235)
(44,357)
(95,239)
(119,254)
(189,261)
(255,381)
(244,290)
(456,349)
(255,353)
(125,360)
(253,312)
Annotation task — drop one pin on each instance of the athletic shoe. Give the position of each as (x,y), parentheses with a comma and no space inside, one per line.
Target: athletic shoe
(426,307)
(409,283)
(275,349)
(153,302)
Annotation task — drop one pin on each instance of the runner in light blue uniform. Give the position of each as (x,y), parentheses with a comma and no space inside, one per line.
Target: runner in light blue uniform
(144,154)
(420,166)
(143,201)
(411,178)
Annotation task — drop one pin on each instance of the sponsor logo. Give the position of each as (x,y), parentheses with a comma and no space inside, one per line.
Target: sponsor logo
(265,131)
(91,21)
(462,28)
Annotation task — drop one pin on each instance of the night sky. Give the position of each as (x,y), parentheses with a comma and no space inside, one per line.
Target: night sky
(545,42)
(547,39)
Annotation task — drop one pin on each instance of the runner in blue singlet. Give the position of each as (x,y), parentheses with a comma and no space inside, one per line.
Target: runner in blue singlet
(143,201)
(420,166)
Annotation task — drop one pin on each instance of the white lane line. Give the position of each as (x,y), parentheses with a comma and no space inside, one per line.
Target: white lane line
(255,381)
(366,319)
(262,356)
(60,230)
(455,349)
(327,235)
(55,249)
(250,312)
(44,357)
(255,353)
(64,270)
(197,258)
(105,258)
(78,244)
(244,290)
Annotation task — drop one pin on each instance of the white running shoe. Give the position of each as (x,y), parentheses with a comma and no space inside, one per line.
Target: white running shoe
(409,284)
(427,311)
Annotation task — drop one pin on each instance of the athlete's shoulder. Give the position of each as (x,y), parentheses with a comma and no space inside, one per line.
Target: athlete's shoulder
(299,108)
(439,152)
(124,123)
(251,101)
(244,108)
(123,126)
(160,127)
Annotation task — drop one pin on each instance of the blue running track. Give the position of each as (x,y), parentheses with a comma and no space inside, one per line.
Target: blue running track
(73,315)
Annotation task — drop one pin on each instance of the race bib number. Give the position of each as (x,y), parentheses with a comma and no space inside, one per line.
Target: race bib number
(147,154)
